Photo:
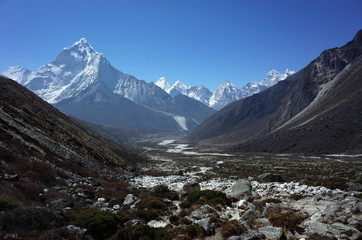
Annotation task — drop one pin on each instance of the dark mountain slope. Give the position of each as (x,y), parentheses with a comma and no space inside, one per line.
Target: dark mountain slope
(262,114)
(33,130)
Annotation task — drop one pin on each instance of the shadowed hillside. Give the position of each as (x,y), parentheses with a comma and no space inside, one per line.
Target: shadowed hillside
(317,109)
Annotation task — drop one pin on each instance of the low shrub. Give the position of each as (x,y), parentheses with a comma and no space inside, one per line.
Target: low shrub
(288,222)
(30,190)
(143,232)
(232,228)
(174,219)
(210,197)
(152,203)
(259,205)
(113,189)
(195,231)
(100,224)
(44,172)
(31,222)
(147,215)
(9,203)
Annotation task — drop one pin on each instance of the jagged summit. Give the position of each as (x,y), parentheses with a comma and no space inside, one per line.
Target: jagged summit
(80,51)
(274,76)
(163,84)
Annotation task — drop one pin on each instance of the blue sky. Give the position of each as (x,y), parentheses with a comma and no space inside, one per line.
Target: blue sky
(199,42)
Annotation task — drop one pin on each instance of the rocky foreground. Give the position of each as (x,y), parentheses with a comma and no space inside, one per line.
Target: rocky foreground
(190,206)
(265,207)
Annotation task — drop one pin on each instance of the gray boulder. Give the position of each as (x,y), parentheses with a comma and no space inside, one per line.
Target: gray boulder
(157,224)
(354,186)
(75,231)
(270,177)
(132,223)
(207,226)
(241,190)
(272,233)
(191,186)
(250,235)
(195,215)
(344,232)
(206,209)
(61,204)
(249,215)
(161,191)
(99,205)
(130,198)
(319,231)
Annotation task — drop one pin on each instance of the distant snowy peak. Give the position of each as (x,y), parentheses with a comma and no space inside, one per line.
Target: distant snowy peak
(17,73)
(274,76)
(178,88)
(163,84)
(224,94)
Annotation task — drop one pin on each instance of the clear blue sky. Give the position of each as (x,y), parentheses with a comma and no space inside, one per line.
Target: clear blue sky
(199,42)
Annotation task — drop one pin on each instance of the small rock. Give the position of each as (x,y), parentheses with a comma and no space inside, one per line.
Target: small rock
(11,178)
(132,223)
(182,194)
(319,230)
(341,219)
(130,198)
(248,215)
(116,207)
(101,200)
(195,215)
(61,203)
(234,238)
(206,209)
(272,233)
(191,186)
(344,232)
(99,205)
(354,186)
(269,177)
(241,190)
(251,178)
(245,204)
(250,235)
(75,231)
(355,224)
(178,173)
(207,226)
(157,224)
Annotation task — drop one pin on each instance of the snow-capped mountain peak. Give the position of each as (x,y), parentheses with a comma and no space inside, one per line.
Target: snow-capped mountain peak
(163,84)
(79,51)
(18,73)
(274,76)
(178,88)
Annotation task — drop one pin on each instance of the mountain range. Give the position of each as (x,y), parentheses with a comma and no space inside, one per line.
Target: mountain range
(82,83)
(316,110)
(226,93)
